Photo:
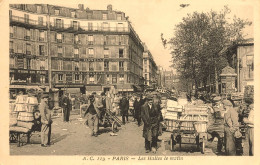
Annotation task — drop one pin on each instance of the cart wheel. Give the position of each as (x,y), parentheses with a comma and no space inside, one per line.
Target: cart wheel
(202,149)
(114,127)
(172,143)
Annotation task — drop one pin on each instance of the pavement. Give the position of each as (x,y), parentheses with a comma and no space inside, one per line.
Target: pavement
(74,138)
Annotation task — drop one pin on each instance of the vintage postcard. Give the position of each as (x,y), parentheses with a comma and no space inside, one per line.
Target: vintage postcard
(134,81)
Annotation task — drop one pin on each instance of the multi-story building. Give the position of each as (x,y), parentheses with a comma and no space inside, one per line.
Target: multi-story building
(83,49)
(169,79)
(161,77)
(243,63)
(149,69)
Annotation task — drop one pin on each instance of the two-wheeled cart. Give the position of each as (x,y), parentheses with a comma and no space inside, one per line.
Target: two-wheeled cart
(189,128)
(110,120)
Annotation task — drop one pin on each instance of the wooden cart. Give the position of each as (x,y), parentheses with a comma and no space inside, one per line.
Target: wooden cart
(189,128)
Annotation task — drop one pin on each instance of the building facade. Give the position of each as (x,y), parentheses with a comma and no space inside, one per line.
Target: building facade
(83,49)
(150,69)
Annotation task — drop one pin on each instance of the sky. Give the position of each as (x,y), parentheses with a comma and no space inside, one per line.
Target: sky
(150,18)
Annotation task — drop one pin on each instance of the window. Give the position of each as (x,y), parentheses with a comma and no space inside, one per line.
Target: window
(26,18)
(114,79)
(11,46)
(28,34)
(106,52)
(250,66)
(76,77)
(39,9)
(121,64)
(76,66)
(42,36)
(91,52)
(91,66)
(121,53)
(73,14)
(90,26)
(118,17)
(28,49)
(11,31)
(106,64)
(28,62)
(58,23)
(59,51)
(75,25)
(90,39)
(104,16)
(60,65)
(40,20)
(41,49)
(107,78)
(59,37)
(57,12)
(105,26)
(76,38)
(76,51)
(60,77)
(121,78)
(91,79)
(120,27)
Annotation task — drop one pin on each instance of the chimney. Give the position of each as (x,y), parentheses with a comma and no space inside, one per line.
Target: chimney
(109,7)
(81,7)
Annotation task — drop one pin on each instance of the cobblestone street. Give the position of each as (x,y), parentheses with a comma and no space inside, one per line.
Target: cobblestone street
(74,139)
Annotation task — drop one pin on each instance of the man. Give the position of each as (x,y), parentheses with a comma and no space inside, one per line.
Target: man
(151,118)
(106,105)
(137,109)
(66,107)
(231,125)
(93,115)
(250,123)
(45,120)
(124,106)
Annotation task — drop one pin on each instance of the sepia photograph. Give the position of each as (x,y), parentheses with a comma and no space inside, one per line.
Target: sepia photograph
(114,80)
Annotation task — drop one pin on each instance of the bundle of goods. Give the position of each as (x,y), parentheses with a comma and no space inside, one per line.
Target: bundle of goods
(32,104)
(197,110)
(171,115)
(20,103)
(173,106)
(237,96)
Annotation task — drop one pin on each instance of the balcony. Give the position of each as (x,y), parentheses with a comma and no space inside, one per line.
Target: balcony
(22,21)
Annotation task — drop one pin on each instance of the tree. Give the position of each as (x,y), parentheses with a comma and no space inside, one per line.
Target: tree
(200,42)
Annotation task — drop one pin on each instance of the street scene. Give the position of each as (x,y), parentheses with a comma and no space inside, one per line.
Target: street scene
(102,80)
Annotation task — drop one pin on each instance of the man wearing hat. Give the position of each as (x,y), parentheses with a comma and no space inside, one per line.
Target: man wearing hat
(45,120)
(151,118)
(137,109)
(250,123)
(93,115)
(66,104)
(231,125)
(124,106)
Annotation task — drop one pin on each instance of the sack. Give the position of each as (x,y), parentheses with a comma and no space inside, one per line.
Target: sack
(237,134)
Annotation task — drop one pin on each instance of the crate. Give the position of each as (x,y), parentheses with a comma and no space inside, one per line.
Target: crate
(171,115)
(171,125)
(200,127)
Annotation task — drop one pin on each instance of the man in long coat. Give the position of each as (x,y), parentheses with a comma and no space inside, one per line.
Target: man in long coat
(93,115)
(66,104)
(151,118)
(45,120)
(124,106)
(231,125)
(137,109)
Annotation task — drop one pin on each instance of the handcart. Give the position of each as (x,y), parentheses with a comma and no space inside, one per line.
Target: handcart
(110,120)
(189,128)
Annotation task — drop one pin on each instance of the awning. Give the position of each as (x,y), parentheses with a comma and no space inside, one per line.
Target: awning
(125,88)
(73,90)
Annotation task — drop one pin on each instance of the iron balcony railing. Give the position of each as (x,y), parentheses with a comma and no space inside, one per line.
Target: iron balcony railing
(27,21)
(62,26)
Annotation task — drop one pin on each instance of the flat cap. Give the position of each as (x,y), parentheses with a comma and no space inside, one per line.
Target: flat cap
(227,103)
